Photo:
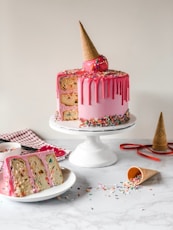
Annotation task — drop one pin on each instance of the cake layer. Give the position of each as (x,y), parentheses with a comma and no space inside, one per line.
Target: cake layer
(20,179)
(67,80)
(69,115)
(68,83)
(39,173)
(69,99)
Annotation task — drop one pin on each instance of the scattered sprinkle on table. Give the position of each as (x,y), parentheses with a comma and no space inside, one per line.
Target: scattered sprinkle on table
(108,190)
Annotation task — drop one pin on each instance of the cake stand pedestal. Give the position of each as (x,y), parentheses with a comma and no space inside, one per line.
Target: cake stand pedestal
(92,152)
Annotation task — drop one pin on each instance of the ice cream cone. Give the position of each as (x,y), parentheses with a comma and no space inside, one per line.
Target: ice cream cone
(159,140)
(88,48)
(138,175)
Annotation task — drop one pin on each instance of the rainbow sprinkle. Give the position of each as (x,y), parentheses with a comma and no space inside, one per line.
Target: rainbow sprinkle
(109,190)
(106,121)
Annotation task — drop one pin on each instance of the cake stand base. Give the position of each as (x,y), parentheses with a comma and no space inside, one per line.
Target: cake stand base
(93,153)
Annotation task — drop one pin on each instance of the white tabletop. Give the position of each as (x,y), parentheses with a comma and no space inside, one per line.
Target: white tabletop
(93,203)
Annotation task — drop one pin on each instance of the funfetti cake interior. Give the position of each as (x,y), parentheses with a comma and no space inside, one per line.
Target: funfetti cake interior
(31,173)
(94,94)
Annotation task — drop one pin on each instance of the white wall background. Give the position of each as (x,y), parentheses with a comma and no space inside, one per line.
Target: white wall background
(39,38)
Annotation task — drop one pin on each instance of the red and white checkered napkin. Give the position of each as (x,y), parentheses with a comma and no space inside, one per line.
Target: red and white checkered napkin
(28,138)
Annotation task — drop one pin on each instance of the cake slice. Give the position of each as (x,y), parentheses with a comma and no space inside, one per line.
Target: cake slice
(31,173)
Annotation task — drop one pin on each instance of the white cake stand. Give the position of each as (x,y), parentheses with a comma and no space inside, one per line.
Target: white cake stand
(92,152)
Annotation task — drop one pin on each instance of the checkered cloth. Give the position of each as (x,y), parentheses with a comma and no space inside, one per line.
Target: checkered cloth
(28,138)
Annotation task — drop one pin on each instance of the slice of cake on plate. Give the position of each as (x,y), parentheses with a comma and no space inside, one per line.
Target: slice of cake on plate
(31,173)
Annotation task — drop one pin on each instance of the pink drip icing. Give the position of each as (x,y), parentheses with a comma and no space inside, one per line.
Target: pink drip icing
(109,88)
(112,88)
(122,92)
(89,90)
(115,87)
(119,86)
(97,89)
(81,90)
(103,87)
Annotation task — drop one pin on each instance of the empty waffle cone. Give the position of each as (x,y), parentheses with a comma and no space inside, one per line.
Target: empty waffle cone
(88,48)
(159,140)
(138,175)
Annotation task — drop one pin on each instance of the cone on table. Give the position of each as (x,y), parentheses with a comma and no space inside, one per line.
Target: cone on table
(142,174)
(160,140)
(88,48)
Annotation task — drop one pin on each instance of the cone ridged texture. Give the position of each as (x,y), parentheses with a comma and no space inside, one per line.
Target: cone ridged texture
(88,48)
(145,173)
(160,140)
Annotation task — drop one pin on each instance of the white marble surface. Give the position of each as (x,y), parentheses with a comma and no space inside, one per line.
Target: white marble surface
(149,207)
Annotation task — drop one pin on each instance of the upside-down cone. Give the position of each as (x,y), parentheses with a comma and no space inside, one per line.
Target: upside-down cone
(88,48)
(160,140)
(144,173)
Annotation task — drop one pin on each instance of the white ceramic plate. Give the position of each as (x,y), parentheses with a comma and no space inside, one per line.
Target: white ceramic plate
(69,180)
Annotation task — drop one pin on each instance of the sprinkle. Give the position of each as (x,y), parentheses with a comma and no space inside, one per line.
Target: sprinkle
(105,121)
(136,180)
(115,191)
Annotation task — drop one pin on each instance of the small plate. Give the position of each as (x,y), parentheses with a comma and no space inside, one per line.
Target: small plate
(69,180)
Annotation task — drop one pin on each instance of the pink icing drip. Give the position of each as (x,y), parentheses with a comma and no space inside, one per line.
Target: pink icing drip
(114,87)
(119,86)
(81,89)
(97,89)
(109,88)
(113,94)
(103,87)
(89,90)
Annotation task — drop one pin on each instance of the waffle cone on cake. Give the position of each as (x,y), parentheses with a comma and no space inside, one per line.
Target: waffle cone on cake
(159,140)
(144,174)
(88,48)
